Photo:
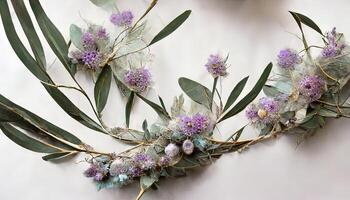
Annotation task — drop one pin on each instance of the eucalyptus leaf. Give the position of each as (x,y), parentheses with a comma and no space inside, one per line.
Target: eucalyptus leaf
(197,92)
(128,108)
(270,91)
(159,110)
(171,27)
(58,155)
(237,90)
(251,95)
(147,181)
(122,87)
(75,34)
(102,87)
(108,5)
(29,31)
(300,18)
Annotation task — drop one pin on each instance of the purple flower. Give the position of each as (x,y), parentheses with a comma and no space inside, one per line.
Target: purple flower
(171,150)
(88,41)
(144,161)
(311,87)
(135,171)
(196,124)
(216,65)
(91,171)
(102,33)
(288,59)
(333,48)
(99,176)
(138,79)
(91,59)
(264,113)
(187,147)
(122,19)
(164,160)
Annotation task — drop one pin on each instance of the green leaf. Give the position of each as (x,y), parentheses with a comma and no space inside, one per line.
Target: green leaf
(51,34)
(75,34)
(344,93)
(122,87)
(58,155)
(108,5)
(237,90)
(128,135)
(40,73)
(128,108)
(251,95)
(159,110)
(147,181)
(162,103)
(195,91)
(25,141)
(171,27)
(300,18)
(102,87)
(29,31)
(145,130)
(270,91)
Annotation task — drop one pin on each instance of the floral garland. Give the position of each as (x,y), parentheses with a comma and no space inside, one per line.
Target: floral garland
(301,93)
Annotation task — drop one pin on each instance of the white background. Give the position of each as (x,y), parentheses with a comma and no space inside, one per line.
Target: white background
(252,31)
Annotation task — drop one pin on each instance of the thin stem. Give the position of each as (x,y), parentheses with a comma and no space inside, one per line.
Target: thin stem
(213,93)
(150,7)
(142,191)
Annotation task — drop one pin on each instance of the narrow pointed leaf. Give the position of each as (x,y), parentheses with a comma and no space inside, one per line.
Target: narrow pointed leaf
(128,108)
(58,155)
(195,91)
(159,110)
(171,27)
(29,31)
(51,34)
(102,88)
(300,18)
(251,95)
(237,90)
(122,87)
(25,141)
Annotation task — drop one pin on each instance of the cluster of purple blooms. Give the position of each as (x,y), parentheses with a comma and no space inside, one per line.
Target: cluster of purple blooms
(90,56)
(263,113)
(138,79)
(123,19)
(216,65)
(311,87)
(333,48)
(288,59)
(196,124)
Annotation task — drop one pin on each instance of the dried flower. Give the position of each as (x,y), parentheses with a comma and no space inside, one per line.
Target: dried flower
(196,124)
(164,160)
(171,150)
(91,59)
(333,48)
(122,19)
(216,65)
(187,147)
(266,112)
(311,87)
(288,59)
(99,176)
(135,171)
(118,167)
(88,41)
(144,161)
(91,171)
(102,33)
(138,79)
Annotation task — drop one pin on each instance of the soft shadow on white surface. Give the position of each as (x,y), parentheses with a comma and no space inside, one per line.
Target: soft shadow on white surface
(252,31)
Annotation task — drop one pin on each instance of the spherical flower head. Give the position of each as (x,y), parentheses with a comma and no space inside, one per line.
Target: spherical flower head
(118,167)
(135,171)
(91,59)
(252,112)
(171,150)
(264,113)
(287,59)
(311,87)
(124,18)
(196,124)
(268,104)
(216,65)
(164,161)
(138,79)
(144,161)
(88,41)
(187,147)
(91,171)
(333,48)
(99,176)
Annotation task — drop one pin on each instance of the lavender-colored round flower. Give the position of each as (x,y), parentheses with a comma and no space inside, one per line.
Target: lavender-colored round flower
(91,59)
(333,48)
(138,79)
(171,150)
(252,112)
(187,147)
(311,87)
(216,65)
(268,104)
(88,41)
(91,171)
(288,59)
(164,160)
(265,112)
(135,171)
(122,19)
(102,33)
(144,161)
(196,124)
(99,176)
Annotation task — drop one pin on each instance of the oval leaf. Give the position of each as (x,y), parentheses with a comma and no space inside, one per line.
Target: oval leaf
(195,91)
(75,34)
(102,88)
(171,27)
(251,95)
